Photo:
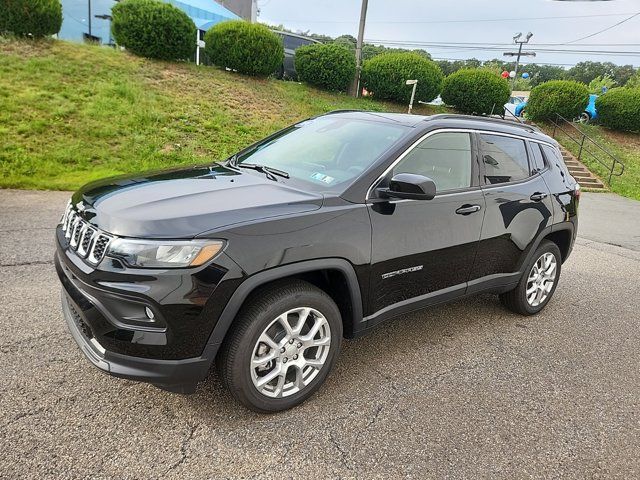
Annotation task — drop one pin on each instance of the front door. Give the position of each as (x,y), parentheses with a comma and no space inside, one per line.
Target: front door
(423,250)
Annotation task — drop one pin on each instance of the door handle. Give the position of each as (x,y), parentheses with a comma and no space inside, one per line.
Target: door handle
(536,197)
(467,209)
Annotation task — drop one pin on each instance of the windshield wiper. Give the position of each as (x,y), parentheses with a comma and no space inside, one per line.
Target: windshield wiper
(268,171)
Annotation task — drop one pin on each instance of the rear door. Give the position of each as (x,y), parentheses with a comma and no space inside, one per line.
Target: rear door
(518,208)
(423,250)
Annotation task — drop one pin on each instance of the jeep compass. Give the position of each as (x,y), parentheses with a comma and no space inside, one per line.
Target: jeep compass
(261,264)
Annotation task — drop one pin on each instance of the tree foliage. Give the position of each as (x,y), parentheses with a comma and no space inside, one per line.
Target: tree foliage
(38,18)
(386,75)
(329,66)
(476,91)
(564,97)
(248,48)
(153,29)
(619,109)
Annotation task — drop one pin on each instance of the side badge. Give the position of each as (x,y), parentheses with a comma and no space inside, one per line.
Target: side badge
(402,272)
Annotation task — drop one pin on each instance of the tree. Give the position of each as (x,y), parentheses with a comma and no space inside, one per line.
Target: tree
(586,71)
(623,73)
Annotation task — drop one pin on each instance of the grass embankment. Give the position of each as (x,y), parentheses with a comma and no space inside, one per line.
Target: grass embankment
(72,113)
(623,145)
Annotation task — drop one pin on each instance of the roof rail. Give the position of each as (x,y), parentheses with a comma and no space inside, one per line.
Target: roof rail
(454,116)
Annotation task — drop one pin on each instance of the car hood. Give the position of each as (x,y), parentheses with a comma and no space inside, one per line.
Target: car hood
(185,202)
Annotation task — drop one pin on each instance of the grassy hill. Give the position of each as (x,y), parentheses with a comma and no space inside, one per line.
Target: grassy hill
(73,113)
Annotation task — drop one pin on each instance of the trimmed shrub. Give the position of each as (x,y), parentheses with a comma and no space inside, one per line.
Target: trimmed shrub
(385,76)
(248,48)
(566,97)
(475,91)
(619,109)
(326,65)
(30,17)
(153,29)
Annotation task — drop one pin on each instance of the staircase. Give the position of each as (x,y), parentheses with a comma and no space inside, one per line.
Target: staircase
(585,178)
(585,145)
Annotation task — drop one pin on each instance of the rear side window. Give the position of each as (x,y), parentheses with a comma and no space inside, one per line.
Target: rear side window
(537,160)
(505,159)
(444,157)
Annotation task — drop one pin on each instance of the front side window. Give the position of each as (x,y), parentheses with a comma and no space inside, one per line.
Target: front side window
(444,157)
(326,152)
(505,159)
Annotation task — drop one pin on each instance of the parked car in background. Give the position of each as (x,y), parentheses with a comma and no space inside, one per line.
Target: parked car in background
(291,42)
(512,105)
(590,113)
(264,262)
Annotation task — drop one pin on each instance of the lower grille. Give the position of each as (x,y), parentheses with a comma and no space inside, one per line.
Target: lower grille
(89,242)
(80,323)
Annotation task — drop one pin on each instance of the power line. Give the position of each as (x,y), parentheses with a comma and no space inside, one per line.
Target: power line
(480,20)
(605,29)
(493,47)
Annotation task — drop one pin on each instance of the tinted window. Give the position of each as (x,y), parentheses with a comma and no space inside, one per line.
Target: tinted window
(537,162)
(326,151)
(293,43)
(444,157)
(505,159)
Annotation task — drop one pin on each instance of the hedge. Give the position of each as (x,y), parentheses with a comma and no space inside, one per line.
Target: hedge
(564,97)
(328,66)
(38,18)
(475,91)
(153,29)
(247,48)
(385,76)
(619,109)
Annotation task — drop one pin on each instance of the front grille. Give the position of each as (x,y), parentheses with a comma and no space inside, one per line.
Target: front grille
(86,240)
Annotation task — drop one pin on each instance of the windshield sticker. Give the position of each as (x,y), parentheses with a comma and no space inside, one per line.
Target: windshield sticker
(321,177)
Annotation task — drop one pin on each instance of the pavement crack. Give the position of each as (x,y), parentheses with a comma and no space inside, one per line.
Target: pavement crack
(184,448)
(21,264)
(341,451)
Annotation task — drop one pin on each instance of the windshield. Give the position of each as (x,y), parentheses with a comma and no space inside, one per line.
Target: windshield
(326,152)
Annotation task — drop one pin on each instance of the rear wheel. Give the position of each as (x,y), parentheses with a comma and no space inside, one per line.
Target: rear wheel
(283,345)
(538,283)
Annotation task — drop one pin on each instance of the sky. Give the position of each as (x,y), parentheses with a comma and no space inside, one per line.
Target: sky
(489,26)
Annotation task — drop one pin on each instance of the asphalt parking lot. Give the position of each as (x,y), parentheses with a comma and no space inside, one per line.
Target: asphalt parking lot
(465,390)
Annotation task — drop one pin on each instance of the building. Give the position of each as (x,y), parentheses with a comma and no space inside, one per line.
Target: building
(247,9)
(91,19)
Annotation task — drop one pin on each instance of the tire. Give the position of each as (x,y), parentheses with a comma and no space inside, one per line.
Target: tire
(261,318)
(584,117)
(517,299)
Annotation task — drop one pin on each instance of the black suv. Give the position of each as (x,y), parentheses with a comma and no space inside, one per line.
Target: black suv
(264,262)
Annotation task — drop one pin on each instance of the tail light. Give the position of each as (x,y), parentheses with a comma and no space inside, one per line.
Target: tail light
(576,191)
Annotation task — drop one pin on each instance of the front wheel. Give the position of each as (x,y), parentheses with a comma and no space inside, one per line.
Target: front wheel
(283,345)
(538,283)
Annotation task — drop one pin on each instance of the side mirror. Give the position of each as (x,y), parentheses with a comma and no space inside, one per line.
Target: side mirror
(409,186)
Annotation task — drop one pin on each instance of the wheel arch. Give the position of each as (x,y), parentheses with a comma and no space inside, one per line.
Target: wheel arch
(320,272)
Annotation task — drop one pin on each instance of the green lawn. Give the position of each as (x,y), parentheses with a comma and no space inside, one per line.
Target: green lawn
(72,113)
(624,146)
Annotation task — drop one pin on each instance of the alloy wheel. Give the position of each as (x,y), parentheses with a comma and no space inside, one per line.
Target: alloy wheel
(290,352)
(541,279)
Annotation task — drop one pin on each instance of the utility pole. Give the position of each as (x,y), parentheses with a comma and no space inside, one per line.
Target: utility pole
(518,54)
(355,87)
(89,17)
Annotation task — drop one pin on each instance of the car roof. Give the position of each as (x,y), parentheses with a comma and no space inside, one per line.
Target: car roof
(297,35)
(448,120)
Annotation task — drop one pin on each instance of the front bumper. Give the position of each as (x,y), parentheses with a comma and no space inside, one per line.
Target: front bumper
(174,375)
(104,309)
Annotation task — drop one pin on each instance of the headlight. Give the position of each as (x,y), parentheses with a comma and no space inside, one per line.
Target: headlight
(164,253)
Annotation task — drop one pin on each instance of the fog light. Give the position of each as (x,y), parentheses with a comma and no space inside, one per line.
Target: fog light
(149,313)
